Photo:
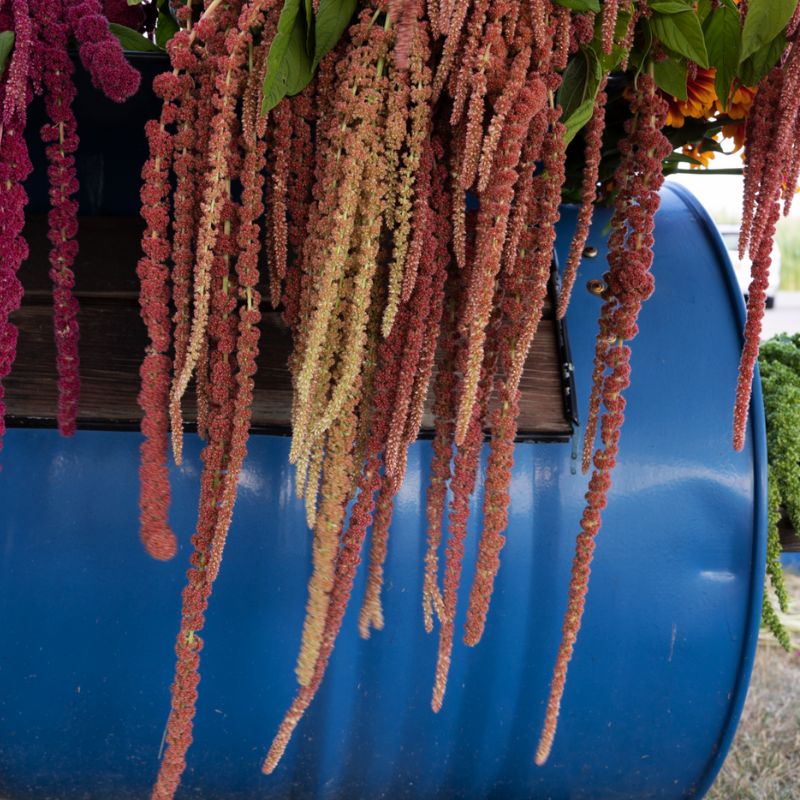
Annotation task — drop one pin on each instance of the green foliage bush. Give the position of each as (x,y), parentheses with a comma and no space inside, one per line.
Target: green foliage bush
(779,363)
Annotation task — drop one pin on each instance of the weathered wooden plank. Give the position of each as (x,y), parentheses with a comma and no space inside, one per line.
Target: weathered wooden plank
(113,342)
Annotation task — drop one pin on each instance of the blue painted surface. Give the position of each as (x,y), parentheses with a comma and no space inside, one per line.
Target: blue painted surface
(791,561)
(659,672)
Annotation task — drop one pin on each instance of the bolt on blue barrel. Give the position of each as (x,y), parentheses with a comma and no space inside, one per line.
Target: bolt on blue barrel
(662,662)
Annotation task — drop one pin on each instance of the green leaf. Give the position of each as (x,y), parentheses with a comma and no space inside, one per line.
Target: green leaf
(309,9)
(669,6)
(681,33)
(579,82)
(299,68)
(704,8)
(166,27)
(577,119)
(670,75)
(332,17)
(754,68)
(764,21)
(6,46)
(712,145)
(133,40)
(276,77)
(134,2)
(723,40)
(580,5)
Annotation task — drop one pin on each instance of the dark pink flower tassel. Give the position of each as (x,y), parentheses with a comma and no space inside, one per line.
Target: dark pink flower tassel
(100,51)
(15,166)
(60,136)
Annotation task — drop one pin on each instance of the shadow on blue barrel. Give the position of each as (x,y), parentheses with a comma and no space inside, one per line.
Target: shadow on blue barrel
(659,673)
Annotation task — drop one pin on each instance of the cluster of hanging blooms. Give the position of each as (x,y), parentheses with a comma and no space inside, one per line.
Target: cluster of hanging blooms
(40,64)
(398,208)
(400,212)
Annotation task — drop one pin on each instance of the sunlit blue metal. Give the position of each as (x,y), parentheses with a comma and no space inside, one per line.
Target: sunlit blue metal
(659,673)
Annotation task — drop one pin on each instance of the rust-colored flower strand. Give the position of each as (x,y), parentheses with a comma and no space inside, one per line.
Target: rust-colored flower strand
(629,284)
(157,536)
(248,240)
(775,179)
(523,296)
(421,321)
(492,226)
(228,86)
(593,138)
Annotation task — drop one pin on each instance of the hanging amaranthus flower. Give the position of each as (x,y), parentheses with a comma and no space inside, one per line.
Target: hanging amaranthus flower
(523,295)
(15,95)
(155,532)
(123,13)
(462,485)
(348,557)
(768,180)
(491,232)
(629,284)
(61,137)
(592,154)
(15,166)
(608,24)
(100,51)
(422,320)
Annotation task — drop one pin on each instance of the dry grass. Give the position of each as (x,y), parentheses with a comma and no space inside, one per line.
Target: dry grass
(764,762)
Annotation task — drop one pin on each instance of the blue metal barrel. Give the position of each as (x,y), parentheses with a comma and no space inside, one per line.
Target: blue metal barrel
(659,673)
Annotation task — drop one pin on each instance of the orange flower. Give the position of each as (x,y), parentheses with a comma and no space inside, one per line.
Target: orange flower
(735,131)
(740,103)
(700,99)
(703,156)
(738,110)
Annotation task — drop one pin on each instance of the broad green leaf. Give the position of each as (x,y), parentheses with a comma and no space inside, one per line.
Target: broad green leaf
(6,46)
(723,39)
(709,144)
(579,83)
(704,8)
(764,21)
(133,40)
(134,2)
(276,77)
(681,33)
(309,9)
(669,6)
(166,27)
(670,75)
(298,63)
(332,17)
(579,117)
(580,5)
(753,69)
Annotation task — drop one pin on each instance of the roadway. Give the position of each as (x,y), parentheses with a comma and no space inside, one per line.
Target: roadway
(784,317)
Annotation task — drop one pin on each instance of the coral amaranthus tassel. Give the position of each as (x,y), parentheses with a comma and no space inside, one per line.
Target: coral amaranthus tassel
(629,283)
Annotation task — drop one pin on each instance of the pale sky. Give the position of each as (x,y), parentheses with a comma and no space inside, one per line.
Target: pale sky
(720,194)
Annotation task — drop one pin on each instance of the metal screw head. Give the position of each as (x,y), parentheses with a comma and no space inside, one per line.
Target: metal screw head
(590,252)
(595,287)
